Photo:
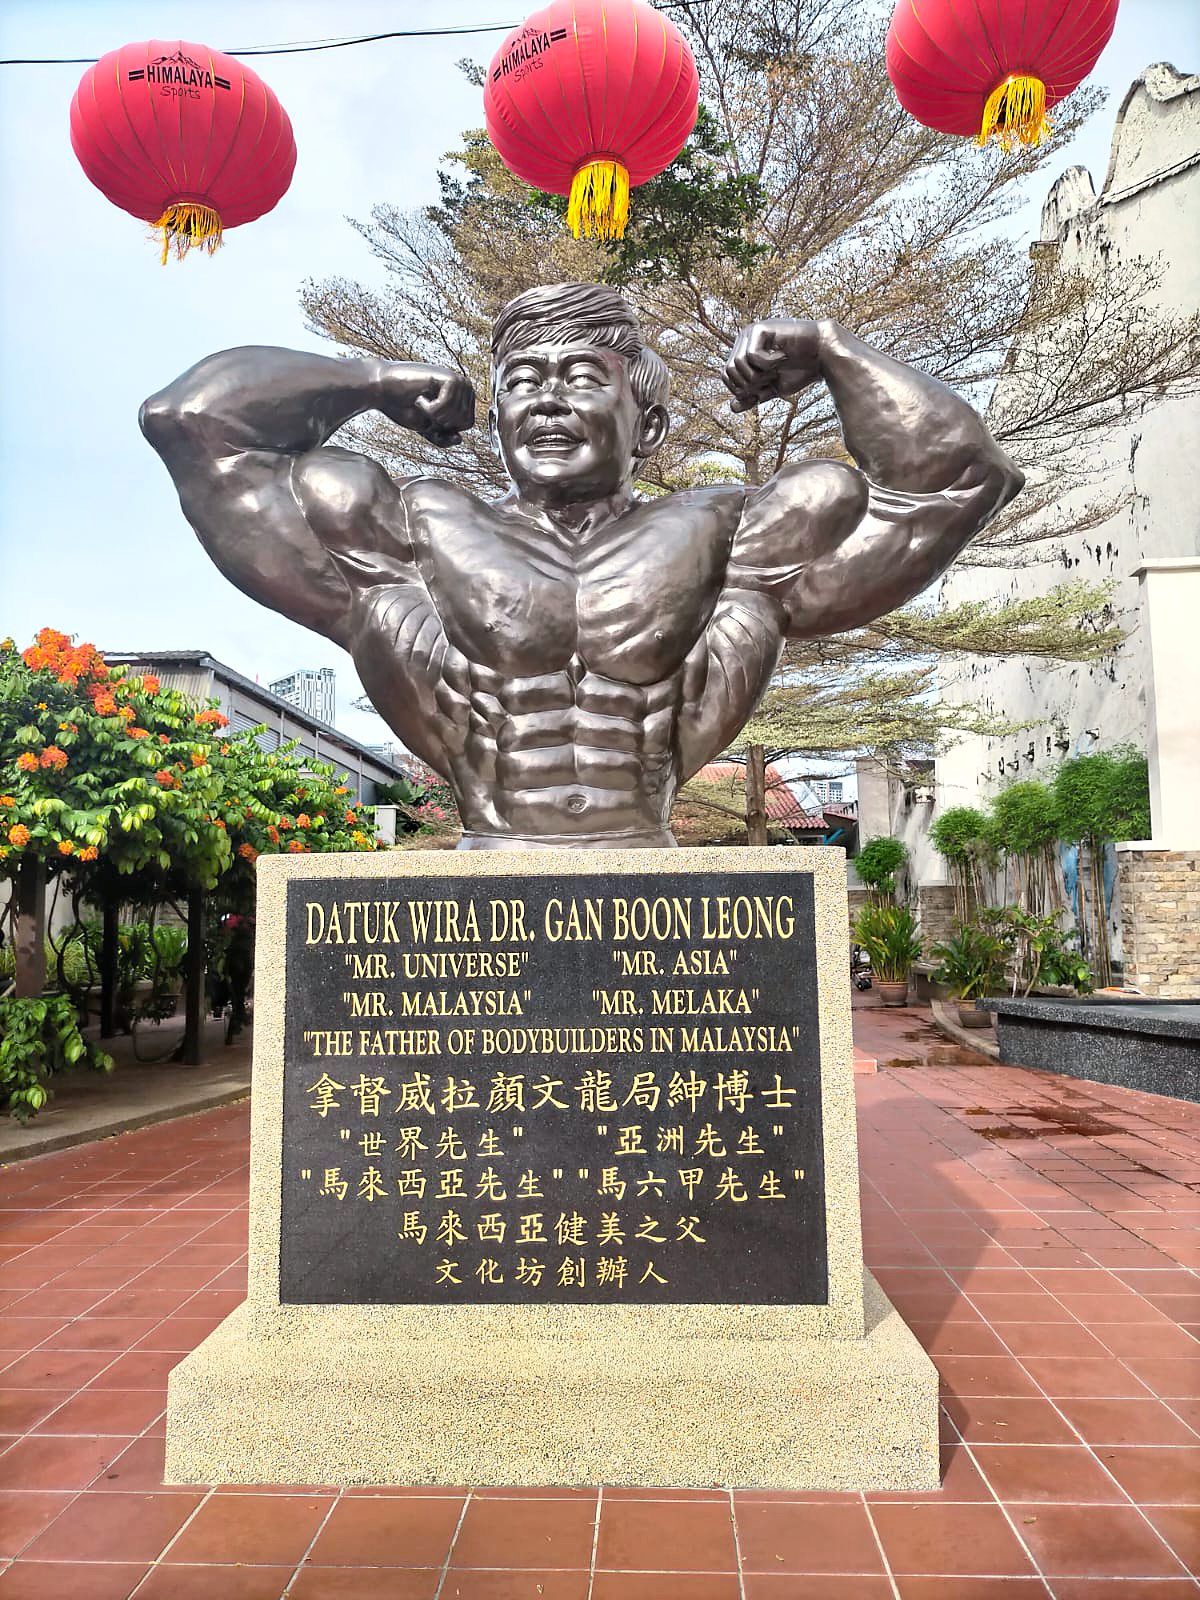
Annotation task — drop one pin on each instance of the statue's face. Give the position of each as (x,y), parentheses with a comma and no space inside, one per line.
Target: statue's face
(567,423)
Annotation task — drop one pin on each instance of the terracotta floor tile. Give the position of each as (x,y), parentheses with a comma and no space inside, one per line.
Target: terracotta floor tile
(1052,1339)
(99,1333)
(1125,1339)
(792,1586)
(1061,1376)
(973,1589)
(24,1514)
(45,1461)
(949,1540)
(72,1580)
(1094,1309)
(21,1409)
(140,1369)
(1061,1473)
(1180,1527)
(212,1583)
(530,1534)
(122,1411)
(1161,1476)
(960,1480)
(992,1376)
(658,1536)
(958,1339)
(1126,1422)
(23,1333)
(1124,1589)
(266,1530)
(519,1586)
(1168,1375)
(388,1533)
(54,1369)
(1094,1541)
(114,1527)
(806,1539)
(358,1583)
(1004,1308)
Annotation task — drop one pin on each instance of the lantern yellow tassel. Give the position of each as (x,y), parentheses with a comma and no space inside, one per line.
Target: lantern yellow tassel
(185,224)
(599,204)
(1015,113)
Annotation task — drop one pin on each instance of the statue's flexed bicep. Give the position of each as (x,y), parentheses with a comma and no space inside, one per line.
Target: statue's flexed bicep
(242,432)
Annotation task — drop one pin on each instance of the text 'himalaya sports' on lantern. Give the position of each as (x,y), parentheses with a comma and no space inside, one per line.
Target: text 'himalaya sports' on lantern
(183,137)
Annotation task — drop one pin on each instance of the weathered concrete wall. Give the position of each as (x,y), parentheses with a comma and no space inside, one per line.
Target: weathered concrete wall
(1160,916)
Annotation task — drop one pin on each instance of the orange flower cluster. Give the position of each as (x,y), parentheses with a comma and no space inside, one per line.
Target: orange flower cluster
(211,719)
(150,683)
(89,853)
(297,846)
(18,835)
(168,780)
(7,800)
(198,758)
(304,820)
(52,756)
(247,852)
(66,847)
(138,733)
(27,761)
(53,652)
(273,834)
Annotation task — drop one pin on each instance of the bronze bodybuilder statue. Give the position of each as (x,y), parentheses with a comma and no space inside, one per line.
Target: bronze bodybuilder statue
(568,655)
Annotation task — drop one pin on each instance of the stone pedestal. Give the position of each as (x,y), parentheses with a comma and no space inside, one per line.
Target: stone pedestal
(677,1383)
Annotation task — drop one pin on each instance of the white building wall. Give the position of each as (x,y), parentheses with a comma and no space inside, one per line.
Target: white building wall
(1148,209)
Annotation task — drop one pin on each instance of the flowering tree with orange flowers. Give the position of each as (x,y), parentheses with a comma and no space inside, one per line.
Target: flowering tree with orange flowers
(134,791)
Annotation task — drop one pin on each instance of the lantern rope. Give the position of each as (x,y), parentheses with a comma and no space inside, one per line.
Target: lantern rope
(185,224)
(599,203)
(1015,113)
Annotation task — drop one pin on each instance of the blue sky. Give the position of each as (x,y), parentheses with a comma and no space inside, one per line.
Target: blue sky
(91,536)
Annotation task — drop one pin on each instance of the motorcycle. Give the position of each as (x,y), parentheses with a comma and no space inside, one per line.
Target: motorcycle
(860,967)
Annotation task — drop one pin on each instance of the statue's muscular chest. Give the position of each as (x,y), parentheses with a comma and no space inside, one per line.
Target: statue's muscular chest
(628,600)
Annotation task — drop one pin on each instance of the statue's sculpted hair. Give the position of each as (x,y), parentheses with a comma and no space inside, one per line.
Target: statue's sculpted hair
(582,313)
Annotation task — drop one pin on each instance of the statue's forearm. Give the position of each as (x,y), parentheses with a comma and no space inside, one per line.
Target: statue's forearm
(258,397)
(905,429)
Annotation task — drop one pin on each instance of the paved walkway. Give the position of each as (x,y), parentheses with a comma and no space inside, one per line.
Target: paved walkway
(1039,1234)
(96,1105)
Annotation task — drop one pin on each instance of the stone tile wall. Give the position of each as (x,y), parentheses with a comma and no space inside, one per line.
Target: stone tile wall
(1160,921)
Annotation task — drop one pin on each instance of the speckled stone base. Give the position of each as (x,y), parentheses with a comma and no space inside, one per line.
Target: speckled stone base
(832,1396)
(349,1396)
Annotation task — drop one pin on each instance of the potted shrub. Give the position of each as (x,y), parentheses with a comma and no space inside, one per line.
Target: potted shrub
(972,963)
(877,864)
(889,936)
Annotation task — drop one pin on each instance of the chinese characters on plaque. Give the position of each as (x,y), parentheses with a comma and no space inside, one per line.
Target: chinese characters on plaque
(585,1089)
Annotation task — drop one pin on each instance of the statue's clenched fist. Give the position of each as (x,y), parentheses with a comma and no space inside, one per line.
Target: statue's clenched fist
(772,360)
(436,402)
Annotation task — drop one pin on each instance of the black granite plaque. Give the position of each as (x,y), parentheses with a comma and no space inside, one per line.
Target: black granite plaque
(596,1088)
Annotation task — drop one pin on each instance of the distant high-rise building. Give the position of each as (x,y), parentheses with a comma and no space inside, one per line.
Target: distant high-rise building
(312,689)
(829,791)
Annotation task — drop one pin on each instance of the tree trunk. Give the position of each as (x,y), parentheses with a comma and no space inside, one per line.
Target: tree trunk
(109,954)
(756,794)
(191,1050)
(30,937)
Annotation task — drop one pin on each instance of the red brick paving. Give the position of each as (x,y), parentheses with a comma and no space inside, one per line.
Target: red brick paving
(1039,1234)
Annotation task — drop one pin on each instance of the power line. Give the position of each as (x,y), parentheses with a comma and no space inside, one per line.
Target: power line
(300,48)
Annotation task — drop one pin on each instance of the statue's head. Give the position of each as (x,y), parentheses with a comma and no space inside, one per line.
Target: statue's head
(577,398)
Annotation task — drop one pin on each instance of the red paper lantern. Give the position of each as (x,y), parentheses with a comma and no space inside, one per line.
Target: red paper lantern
(992,67)
(184,137)
(588,97)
